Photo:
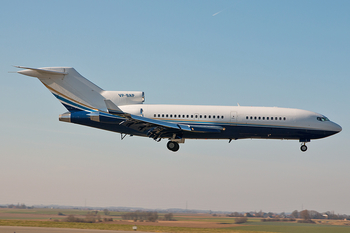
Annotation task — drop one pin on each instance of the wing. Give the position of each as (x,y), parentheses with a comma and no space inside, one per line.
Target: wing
(154,128)
(161,129)
(157,129)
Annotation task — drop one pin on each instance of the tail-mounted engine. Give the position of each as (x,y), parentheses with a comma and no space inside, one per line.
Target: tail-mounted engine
(120,98)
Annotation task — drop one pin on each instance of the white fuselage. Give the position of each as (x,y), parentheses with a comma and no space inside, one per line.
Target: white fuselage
(234,115)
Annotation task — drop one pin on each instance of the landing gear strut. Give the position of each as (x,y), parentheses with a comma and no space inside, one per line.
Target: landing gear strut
(303,147)
(173,146)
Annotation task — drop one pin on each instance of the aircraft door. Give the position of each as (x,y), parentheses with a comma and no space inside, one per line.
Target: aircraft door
(233,117)
(141,112)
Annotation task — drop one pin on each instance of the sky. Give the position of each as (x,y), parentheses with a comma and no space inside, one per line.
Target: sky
(291,54)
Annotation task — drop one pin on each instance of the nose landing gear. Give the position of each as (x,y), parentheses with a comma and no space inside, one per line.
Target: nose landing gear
(303,147)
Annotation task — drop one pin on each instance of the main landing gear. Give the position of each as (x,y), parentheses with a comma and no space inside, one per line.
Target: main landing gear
(174,141)
(173,146)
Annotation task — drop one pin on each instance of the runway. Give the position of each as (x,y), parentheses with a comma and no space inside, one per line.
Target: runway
(15,229)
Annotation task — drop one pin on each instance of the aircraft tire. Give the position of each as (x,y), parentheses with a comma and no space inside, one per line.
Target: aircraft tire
(173,146)
(303,148)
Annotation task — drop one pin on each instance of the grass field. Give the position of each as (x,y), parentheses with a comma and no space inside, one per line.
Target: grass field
(193,223)
(292,227)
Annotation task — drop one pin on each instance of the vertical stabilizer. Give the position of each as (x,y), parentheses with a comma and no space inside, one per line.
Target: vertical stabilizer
(73,90)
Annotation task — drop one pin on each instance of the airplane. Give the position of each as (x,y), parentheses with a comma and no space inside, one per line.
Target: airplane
(125,112)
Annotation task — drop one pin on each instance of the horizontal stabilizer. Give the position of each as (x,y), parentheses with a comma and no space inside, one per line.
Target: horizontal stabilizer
(29,71)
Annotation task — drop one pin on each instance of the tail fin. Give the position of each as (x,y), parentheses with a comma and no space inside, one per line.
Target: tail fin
(73,90)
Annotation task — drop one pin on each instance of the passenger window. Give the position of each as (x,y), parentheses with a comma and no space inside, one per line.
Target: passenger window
(162,115)
(284,118)
(158,115)
(280,118)
(267,118)
(191,116)
(251,118)
(166,115)
(246,117)
(171,115)
(263,118)
(254,118)
(155,115)
(214,116)
(200,116)
(205,116)
(222,117)
(271,118)
(209,116)
(196,116)
(188,116)
(259,118)
(276,118)
(183,116)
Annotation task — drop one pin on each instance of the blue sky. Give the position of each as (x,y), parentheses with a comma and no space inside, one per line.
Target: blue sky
(256,53)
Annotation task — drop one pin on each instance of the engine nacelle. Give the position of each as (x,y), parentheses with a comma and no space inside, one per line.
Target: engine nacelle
(120,98)
(82,116)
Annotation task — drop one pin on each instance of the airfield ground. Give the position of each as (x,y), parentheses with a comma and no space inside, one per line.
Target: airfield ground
(193,223)
(12,229)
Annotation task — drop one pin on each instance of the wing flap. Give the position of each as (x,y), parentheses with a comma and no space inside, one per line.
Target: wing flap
(207,128)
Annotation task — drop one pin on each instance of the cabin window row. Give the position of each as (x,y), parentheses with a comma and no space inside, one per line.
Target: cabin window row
(265,118)
(189,116)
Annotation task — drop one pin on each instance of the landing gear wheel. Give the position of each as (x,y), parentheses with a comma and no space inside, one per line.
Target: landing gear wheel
(303,148)
(173,146)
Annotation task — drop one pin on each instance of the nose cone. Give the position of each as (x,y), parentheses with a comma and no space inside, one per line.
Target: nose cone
(336,128)
(331,128)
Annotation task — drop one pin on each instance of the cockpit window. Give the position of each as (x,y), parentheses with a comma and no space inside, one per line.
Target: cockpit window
(323,118)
